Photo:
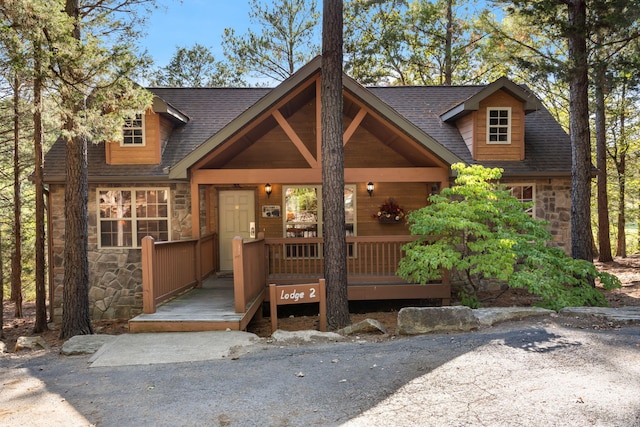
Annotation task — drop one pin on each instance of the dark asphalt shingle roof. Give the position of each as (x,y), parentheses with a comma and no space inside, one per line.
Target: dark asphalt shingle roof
(210,109)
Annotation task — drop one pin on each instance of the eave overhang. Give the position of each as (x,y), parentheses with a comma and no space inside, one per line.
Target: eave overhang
(531,102)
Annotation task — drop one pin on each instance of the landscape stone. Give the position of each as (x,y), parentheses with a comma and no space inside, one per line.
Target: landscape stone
(622,314)
(304,336)
(85,344)
(422,320)
(365,326)
(489,316)
(31,343)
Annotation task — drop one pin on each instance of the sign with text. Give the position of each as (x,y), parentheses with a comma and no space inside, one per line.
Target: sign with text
(298,294)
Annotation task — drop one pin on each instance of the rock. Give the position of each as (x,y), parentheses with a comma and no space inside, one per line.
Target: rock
(421,320)
(363,327)
(304,336)
(489,316)
(621,315)
(3,347)
(31,343)
(85,344)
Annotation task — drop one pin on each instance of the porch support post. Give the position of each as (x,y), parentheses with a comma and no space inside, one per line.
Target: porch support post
(148,275)
(238,275)
(195,230)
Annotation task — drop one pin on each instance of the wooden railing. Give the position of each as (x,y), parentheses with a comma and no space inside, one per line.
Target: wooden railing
(170,268)
(371,259)
(208,255)
(249,272)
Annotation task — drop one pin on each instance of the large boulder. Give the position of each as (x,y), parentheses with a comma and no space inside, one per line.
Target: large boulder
(422,320)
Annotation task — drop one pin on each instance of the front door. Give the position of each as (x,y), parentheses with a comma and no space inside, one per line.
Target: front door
(237,216)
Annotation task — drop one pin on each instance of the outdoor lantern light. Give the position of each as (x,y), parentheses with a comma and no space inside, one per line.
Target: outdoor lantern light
(370,188)
(267,189)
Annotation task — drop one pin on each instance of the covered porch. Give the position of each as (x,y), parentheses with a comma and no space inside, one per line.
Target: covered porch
(183,292)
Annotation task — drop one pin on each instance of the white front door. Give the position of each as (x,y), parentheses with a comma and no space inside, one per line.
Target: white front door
(237,215)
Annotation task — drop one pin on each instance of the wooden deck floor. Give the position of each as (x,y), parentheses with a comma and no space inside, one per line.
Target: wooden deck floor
(209,308)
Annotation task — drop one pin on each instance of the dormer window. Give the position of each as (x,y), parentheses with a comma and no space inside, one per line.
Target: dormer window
(133,132)
(499,125)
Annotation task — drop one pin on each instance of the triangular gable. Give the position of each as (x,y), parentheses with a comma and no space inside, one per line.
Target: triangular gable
(531,102)
(307,72)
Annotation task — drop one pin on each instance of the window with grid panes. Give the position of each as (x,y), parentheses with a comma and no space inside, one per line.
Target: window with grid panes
(126,216)
(499,125)
(133,131)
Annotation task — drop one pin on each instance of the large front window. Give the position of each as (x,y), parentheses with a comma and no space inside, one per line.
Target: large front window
(303,218)
(125,216)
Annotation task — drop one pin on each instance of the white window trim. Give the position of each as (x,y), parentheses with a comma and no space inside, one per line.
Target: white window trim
(532,210)
(133,218)
(509,123)
(142,127)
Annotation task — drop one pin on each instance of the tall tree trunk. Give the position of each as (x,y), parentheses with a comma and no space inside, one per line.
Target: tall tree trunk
(581,235)
(1,291)
(604,239)
(76,319)
(41,301)
(335,246)
(621,246)
(16,255)
(448,41)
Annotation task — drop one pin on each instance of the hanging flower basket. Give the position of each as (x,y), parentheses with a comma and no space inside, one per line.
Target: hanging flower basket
(388,220)
(390,213)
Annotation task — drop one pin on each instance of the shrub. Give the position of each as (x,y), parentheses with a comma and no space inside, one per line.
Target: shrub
(478,229)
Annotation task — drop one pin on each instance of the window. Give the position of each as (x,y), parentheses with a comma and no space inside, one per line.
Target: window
(303,218)
(133,131)
(121,226)
(524,193)
(498,125)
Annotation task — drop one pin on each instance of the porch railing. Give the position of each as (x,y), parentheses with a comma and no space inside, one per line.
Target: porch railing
(249,272)
(170,268)
(370,259)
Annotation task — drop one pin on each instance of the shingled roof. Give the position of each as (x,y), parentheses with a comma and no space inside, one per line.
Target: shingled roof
(210,110)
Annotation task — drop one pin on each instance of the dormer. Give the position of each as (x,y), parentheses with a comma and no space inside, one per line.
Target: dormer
(145,135)
(491,122)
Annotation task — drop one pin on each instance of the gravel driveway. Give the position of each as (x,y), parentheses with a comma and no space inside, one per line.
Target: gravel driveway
(535,373)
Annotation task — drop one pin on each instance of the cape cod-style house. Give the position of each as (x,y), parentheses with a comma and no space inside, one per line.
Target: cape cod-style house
(228,180)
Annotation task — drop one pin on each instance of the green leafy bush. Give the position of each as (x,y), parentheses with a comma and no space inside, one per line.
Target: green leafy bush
(478,229)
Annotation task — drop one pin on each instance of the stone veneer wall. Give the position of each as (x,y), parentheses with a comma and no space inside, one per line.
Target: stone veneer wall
(553,204)
(115,275)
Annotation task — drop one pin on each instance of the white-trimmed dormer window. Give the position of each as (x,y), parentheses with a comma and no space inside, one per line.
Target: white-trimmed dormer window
(499,125)
(133,132)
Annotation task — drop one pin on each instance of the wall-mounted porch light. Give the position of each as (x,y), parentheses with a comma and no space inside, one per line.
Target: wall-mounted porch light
(267,189)
(370,188)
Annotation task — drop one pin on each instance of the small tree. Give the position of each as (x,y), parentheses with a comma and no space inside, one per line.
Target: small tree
(477,228)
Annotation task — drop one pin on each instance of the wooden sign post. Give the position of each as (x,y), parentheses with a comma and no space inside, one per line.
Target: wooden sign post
(298,294)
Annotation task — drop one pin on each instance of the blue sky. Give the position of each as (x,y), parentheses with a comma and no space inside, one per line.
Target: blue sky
(192,21)
(184,23)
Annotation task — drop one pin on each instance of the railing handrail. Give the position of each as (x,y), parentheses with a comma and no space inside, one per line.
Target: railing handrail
(371,259)
(178,271)
(249,271)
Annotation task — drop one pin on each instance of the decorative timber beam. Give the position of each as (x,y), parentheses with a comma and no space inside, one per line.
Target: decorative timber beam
(293,136)
(314,176)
